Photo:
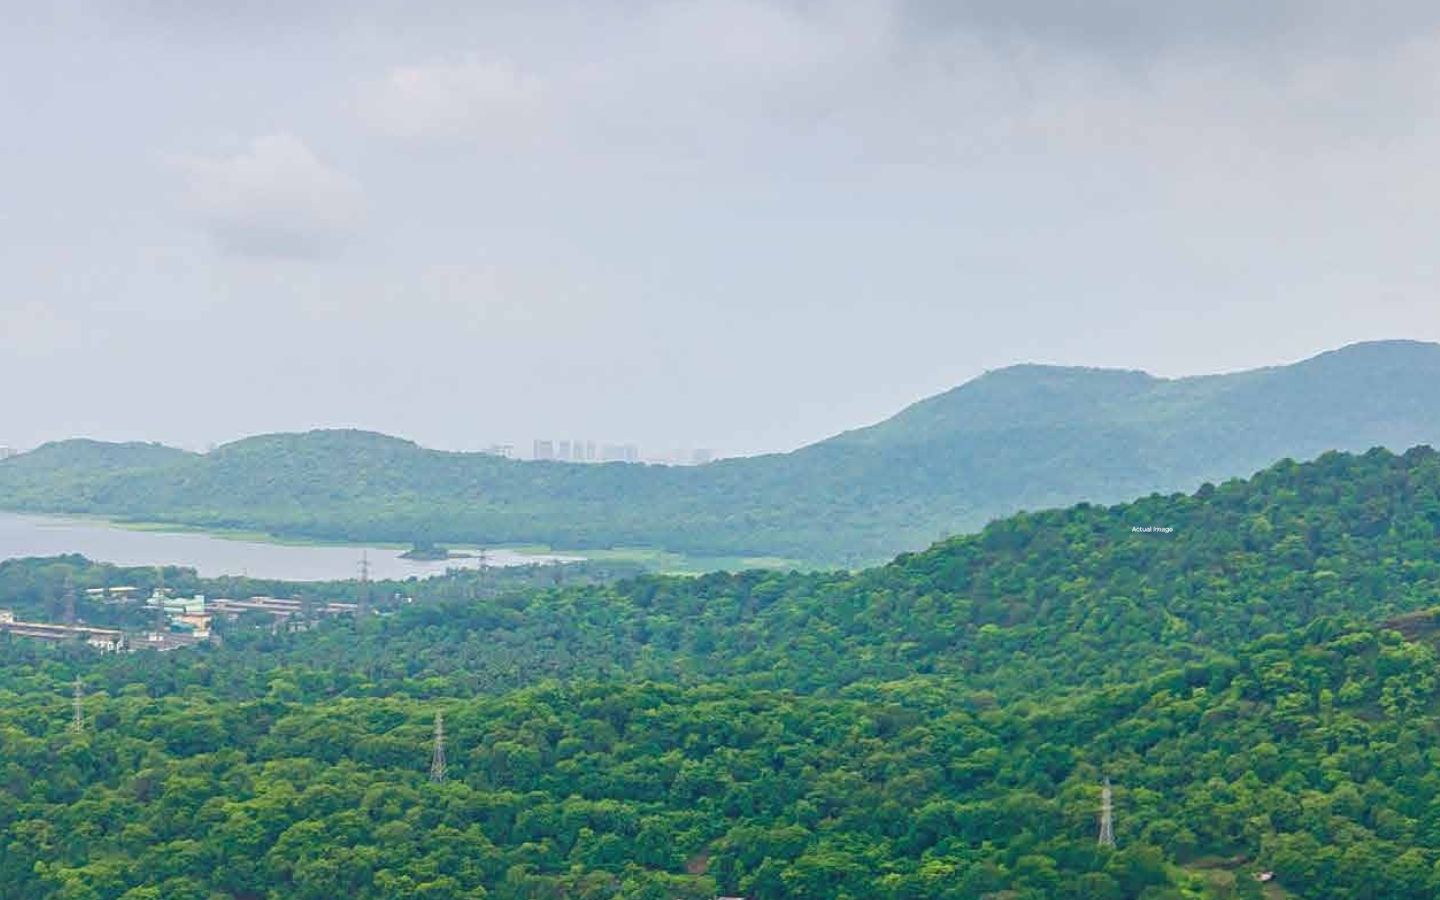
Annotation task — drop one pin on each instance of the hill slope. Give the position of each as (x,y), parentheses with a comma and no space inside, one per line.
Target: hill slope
(1025,437)
(1033,604)
(938,727)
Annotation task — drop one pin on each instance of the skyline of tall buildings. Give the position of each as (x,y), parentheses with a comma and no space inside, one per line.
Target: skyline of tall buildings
(587,451)
(570,450)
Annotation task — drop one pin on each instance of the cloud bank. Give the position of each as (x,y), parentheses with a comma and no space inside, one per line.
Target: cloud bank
(732,223)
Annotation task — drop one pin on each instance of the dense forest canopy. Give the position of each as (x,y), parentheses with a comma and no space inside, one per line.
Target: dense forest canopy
(1025,437)
(1252,667)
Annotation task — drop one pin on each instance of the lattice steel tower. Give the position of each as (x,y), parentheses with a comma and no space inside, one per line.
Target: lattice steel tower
(77,721)
(162,621)
(1107,817)
(437,762)
(69,601)
(363,606)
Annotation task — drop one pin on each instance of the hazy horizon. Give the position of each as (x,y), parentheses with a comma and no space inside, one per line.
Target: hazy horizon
(736,225)
(653,453)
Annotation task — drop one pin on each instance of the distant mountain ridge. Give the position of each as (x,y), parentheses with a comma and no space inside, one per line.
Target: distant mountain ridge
(1023,437)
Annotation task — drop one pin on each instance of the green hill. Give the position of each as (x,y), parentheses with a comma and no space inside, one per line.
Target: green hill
(1026,437)
(1251,666)
(1048,602)
(75,469)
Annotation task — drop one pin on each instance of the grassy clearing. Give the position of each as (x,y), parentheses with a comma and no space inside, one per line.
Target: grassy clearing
(1219,877)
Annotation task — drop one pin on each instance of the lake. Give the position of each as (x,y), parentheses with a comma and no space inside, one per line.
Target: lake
(212,556)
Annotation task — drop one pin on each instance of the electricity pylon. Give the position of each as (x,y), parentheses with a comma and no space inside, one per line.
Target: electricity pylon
(1107,817)
(363,606)
(77,721)
(437,762)
(69,601)
(162,621)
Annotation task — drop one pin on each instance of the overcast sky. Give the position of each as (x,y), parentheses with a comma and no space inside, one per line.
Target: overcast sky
(743,224)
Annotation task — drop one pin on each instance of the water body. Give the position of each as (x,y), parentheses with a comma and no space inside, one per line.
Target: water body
(213,556)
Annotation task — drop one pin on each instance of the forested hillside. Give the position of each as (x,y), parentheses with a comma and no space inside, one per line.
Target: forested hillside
(1251,666)
(1026,437)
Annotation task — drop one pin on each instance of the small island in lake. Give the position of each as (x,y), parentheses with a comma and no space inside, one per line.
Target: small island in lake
(428,551)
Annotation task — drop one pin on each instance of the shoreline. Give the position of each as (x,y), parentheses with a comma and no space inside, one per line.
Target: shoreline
(653,559)
(265,537)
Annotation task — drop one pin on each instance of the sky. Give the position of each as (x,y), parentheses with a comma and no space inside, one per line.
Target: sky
(742,225)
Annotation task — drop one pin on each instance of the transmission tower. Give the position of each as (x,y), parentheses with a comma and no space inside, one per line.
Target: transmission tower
(437,762)
(482,571)
(77,721)
(70,601)
(363,606)
(162,622)
(1107,817)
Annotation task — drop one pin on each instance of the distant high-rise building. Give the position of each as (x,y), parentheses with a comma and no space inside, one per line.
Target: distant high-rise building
(702,456)
(589,451)
(505,450)
(7,452)
(564,452)
(544,450)
(619,453)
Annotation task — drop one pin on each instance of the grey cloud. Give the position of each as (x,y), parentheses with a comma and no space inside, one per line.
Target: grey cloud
(475,97)
(1106,26)
(211,20)
(273,198)
(1127,28)
(732,223)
